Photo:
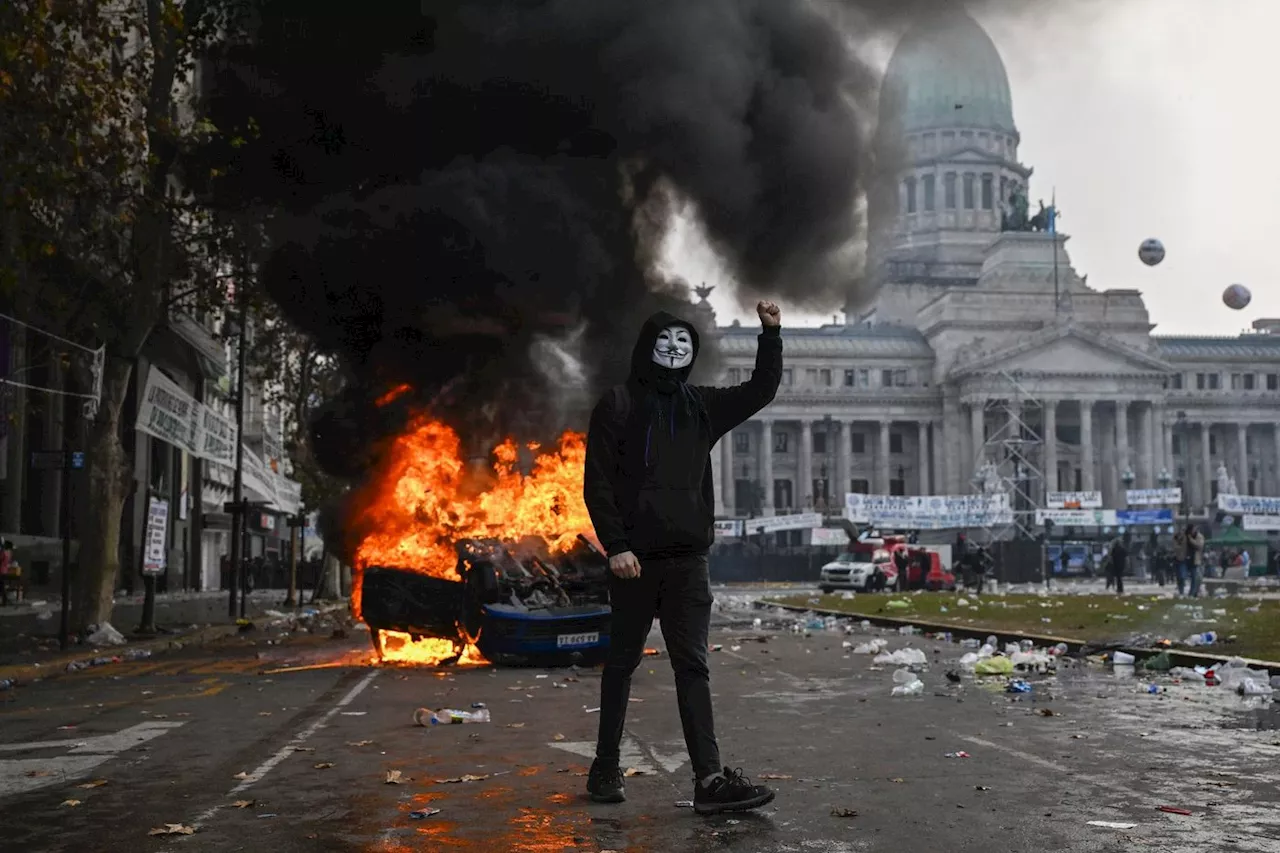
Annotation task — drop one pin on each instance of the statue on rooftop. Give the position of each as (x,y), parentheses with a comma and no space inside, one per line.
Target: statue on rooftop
(1015,213)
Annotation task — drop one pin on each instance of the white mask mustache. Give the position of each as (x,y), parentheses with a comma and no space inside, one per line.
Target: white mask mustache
(673,348)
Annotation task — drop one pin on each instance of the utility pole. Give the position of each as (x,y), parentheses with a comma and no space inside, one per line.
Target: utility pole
(64,630)
(237,514)
(296,523)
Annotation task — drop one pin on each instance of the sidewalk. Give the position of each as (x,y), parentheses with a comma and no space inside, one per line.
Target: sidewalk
(28,633)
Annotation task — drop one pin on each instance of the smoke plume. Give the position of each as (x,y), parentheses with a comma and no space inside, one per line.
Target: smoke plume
(473,193)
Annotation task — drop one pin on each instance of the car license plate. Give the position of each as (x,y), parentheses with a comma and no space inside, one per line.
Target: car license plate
(566,641)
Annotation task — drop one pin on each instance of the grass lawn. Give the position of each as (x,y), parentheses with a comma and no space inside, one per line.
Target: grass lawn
(1087,618)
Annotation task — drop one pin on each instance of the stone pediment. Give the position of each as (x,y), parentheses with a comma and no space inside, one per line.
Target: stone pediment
(1065,350)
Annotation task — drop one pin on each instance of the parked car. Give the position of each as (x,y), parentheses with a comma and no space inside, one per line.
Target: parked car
(518,603)
(862,570)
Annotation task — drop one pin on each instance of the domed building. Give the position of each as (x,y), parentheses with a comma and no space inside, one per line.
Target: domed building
(985,360)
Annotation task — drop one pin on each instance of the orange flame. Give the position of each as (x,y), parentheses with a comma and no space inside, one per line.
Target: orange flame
(424,500)
(392,395)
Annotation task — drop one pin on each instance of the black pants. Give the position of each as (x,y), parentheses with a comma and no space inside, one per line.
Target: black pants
(678,592)
(1118,580)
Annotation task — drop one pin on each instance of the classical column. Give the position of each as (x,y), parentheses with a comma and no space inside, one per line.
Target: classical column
(1124,462)
(765,476)
(1146,442)
(1169,461)
(1108,464)
(977,411)
(1050,439)
(1275,438)
(727,482)
(1086,446)
(1242,458)
(804,471)
(948,447)
(939,454)
(843,437)
(1206,463)
(882,458)
(922,463)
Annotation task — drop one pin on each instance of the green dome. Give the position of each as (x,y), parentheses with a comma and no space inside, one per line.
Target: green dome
(946,72)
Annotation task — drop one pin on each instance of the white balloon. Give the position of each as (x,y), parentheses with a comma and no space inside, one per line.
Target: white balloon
(1151,252)
(1236,296)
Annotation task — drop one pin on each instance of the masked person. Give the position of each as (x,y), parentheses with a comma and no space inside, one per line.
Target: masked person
(649,490)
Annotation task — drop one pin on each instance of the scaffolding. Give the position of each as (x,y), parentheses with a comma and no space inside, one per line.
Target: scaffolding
(1008,461)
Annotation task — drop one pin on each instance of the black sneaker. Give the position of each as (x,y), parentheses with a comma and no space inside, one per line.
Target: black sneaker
(731,792)
(604,783)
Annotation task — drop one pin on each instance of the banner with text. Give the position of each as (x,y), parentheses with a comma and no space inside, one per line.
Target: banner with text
(155,557)
(1077,517)
(1261,523)
(1073,500)
(828,537)
(1153,497)
(728,528)
(778,523)
(928,512)
(1137,517)
(171,414)
(1249,505)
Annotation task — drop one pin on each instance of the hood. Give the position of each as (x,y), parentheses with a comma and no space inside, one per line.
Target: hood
(642,367)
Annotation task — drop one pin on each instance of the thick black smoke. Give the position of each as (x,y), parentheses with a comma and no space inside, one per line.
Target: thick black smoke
(462,184)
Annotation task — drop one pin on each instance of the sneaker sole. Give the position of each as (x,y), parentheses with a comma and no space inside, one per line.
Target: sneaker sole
(619,797)
(743,806)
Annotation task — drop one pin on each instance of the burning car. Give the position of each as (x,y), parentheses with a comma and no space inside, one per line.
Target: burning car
(515,603)
(460,563)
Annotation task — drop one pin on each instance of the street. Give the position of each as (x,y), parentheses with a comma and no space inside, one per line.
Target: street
(221,741)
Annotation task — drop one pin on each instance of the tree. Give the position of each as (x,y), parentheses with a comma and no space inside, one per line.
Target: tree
(98,121)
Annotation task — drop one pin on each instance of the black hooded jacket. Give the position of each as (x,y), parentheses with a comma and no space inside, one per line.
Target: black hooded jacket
(648,484)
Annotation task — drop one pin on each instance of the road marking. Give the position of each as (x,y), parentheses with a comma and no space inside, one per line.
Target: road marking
(630,754)
(1094,780)
(17,774)
(288,749)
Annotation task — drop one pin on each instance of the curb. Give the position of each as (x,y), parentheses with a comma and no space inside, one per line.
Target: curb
(26,673)
(1074,646)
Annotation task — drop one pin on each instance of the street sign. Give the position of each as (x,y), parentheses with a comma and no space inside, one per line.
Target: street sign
(156,556)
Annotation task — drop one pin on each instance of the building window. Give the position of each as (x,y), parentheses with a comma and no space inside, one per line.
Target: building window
(824,376)
(742,442)
(1176,444)
(968,191)
(988,193)
(819,442)
(886,379)
(1200,382)
(848,378)
(900,379)
(782,494)
(788,376)
(930,193)
(1175,382)
(895,442)
(860,487)
(733,376)
(858,442)
(897,487)
(949,190)
(1214,381)
(1069,433)
(1213,446)
(1248,445)
(1249,384)
(864,378)
(1273,381)
(948,141)
(910,184)
(780,442)
(811,375)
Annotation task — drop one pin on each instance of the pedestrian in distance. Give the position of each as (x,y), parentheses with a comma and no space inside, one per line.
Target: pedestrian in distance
(649,488)
(1119,563)
(1195,559)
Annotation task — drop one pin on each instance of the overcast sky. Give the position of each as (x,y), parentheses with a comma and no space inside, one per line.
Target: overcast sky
(1152,118)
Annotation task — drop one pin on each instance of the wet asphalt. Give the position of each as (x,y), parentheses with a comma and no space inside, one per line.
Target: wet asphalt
(299,760)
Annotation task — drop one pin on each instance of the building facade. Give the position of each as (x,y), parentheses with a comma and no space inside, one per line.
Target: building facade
(982,339)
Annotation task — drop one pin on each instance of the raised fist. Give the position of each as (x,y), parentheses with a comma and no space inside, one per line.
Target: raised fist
(625,565)
(770,313)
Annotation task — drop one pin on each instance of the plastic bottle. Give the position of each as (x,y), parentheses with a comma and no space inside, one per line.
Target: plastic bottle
(449,716)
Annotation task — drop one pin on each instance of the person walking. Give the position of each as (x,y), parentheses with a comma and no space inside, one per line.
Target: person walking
(1180,558)
(1195,558)
(1119,562)
(649,489)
